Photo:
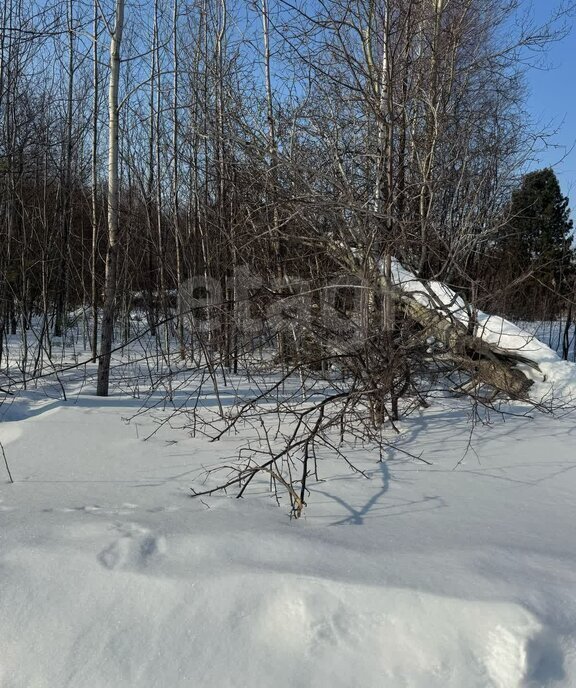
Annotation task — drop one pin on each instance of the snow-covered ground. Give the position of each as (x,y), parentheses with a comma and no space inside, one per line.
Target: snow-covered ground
(461,574)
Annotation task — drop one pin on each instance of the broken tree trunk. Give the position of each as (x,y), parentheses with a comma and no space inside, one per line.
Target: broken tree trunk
(486,363)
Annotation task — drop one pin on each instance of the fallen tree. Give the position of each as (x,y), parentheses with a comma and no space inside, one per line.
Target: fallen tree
(347,385)
(485,362)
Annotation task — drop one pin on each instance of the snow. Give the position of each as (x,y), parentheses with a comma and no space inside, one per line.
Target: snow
(555,382)
(459,574)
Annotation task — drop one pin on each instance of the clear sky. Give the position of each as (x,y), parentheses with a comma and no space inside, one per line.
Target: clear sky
(552,102)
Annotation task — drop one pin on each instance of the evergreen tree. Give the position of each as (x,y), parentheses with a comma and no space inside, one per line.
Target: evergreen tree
(537,244)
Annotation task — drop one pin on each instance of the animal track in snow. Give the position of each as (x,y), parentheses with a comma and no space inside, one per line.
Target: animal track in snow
(135,548)
(160,509)
(121,510)
(333,629)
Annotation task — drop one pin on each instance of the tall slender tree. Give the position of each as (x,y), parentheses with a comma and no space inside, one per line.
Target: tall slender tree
(113,202)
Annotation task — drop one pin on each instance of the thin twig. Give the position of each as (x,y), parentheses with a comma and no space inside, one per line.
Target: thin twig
(6,463)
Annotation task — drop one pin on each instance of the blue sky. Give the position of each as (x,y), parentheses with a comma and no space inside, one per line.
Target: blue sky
(552,102)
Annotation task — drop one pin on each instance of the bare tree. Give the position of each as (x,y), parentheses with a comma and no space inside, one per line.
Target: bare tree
(110,285)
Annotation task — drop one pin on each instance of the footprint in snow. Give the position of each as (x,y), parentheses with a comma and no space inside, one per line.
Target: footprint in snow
(133,549)
(160,509)
(97,510)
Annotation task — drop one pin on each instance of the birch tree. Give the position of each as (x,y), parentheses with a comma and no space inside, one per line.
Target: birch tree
(113,201)
(94,169)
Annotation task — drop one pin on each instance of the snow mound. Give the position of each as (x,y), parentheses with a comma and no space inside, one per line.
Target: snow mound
(556,379)
(123,622)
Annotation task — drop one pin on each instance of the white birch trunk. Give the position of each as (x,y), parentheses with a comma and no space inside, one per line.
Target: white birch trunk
(110,286)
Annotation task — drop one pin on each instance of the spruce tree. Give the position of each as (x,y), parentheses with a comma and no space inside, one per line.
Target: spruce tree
(537,244)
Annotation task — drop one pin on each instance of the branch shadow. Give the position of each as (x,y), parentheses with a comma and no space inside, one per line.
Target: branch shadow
(357,516)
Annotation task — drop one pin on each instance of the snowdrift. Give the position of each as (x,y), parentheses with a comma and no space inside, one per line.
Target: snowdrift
(421,577)
(139,621)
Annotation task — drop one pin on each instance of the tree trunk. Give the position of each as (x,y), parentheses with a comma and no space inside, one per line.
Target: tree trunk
(94,255)
(113,203)
(486,363)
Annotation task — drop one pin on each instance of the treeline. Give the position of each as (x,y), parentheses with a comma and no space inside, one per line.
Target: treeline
(292,139)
